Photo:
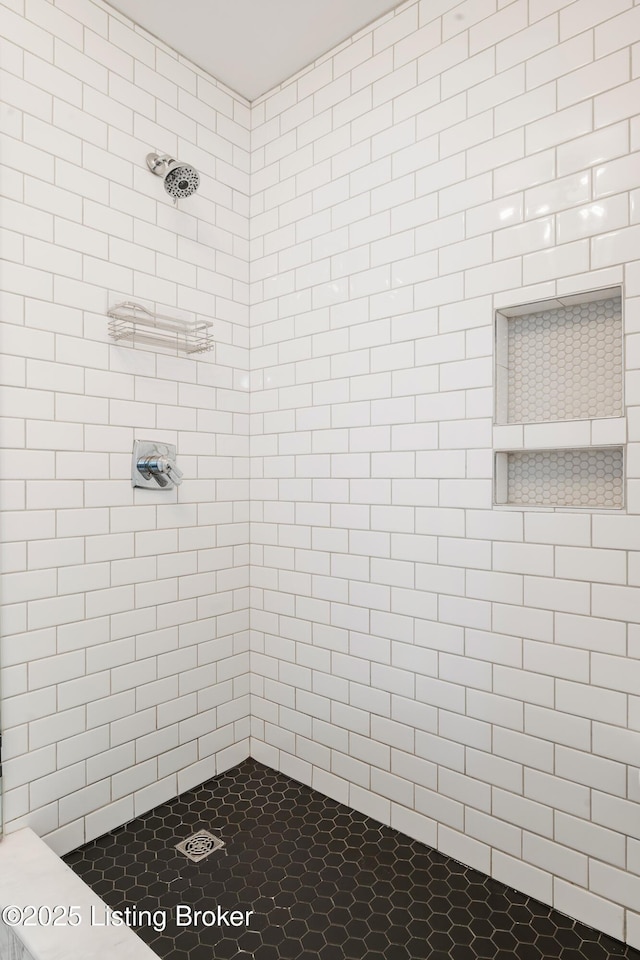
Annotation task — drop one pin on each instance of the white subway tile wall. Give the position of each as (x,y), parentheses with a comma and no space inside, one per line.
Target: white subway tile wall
(467,674)
(125,647)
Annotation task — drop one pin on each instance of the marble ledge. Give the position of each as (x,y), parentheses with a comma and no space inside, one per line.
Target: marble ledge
(31,874)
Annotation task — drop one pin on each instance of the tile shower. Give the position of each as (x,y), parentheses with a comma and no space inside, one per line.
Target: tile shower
(351,586)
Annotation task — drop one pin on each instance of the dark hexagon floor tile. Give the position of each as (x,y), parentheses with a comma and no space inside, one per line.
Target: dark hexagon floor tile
(324,882)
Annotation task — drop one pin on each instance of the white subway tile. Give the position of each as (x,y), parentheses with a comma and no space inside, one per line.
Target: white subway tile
(588,908)
(616,602)
(615,104)
(527,108)
(463,848)
(452,23)
(614,32)
(566,259)
(562,126)
(591,633)
(597,704)
(555,858)
(592,771)
(495,28)
(605,73)
(556,661)
(582,564)
(592,219)
(612,882)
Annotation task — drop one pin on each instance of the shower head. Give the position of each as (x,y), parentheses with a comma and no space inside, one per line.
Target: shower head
(180,179)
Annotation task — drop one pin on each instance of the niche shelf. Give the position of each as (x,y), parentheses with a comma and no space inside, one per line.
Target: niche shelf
(561,478)
(559,426)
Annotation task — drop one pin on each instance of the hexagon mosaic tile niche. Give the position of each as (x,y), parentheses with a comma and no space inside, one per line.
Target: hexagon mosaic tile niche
(324,882)
(565,363)
(561,360)
(574,478)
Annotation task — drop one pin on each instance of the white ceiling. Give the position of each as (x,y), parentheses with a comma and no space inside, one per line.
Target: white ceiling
(252,45)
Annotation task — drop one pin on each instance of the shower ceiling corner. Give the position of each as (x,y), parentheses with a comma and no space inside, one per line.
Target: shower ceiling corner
(253,46)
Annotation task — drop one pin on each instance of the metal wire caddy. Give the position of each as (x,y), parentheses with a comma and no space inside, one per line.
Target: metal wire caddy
(137,324)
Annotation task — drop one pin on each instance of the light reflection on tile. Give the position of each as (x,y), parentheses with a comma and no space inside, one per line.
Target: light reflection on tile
(557,195)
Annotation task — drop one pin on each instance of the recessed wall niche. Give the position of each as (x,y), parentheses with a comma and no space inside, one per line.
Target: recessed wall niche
(560,359)
(559,371)
(561,478)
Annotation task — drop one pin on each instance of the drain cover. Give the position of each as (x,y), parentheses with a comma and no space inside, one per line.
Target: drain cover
(199,846)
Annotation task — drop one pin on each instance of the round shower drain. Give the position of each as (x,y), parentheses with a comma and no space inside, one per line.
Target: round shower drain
(199,846)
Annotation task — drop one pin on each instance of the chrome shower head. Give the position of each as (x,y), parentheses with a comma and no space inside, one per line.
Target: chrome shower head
(180,179)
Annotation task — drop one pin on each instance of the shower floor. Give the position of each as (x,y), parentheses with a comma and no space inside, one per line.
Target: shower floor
(322,881)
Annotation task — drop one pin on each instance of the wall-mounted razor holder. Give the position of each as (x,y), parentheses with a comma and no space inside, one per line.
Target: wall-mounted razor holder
(154,465)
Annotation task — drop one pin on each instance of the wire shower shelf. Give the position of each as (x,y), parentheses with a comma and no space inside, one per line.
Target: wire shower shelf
(137,324)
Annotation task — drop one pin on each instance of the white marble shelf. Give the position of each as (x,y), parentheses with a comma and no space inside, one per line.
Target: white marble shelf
(32,874)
